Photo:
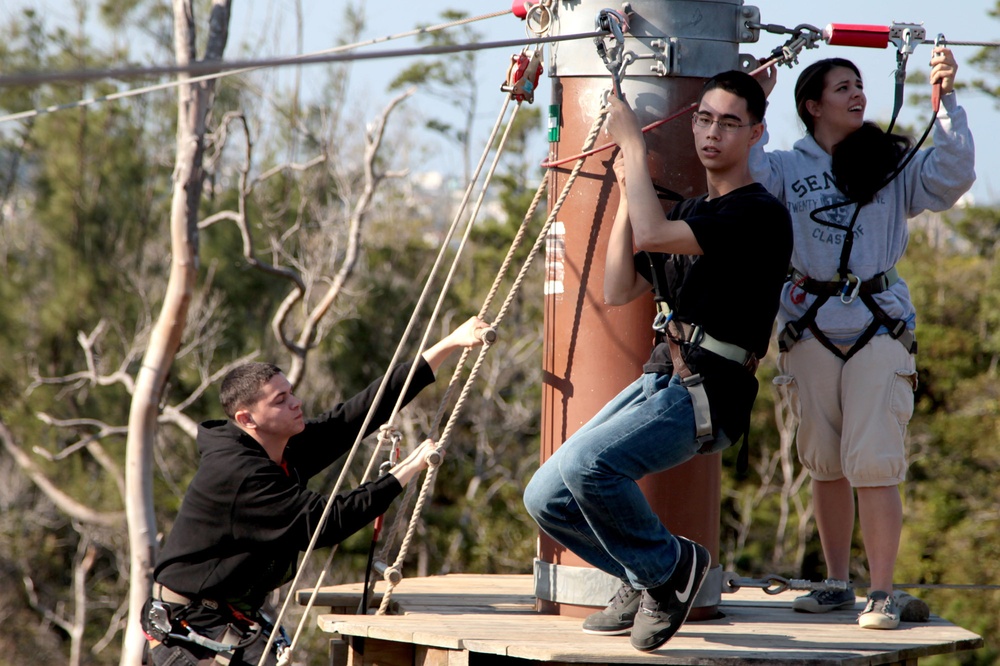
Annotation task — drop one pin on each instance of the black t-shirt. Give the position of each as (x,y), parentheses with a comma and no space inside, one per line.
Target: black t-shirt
(732,290)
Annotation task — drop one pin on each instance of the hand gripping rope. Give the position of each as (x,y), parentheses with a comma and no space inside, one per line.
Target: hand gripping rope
(393,574)
(446,248)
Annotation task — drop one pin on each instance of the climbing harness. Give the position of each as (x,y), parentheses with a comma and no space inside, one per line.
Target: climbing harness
(163,621)
(846,285)
(523,74)
(682,338)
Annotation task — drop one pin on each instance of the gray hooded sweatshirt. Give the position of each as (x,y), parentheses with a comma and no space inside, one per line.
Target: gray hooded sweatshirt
(802,179)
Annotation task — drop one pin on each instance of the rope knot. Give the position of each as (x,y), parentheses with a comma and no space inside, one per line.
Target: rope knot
(389,434)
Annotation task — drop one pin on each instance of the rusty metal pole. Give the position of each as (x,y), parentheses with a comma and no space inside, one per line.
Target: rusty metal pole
(591,350)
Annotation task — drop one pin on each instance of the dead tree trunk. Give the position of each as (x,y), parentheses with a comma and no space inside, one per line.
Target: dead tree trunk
(193,107)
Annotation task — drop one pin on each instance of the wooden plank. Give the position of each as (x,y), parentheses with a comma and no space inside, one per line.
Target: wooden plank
(494,615)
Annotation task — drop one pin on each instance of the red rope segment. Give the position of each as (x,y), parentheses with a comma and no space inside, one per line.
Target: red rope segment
(548,164)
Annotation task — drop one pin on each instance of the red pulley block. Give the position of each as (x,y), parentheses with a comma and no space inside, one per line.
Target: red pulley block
(522,77)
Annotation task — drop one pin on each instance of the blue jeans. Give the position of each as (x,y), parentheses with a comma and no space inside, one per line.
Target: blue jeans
(586,497)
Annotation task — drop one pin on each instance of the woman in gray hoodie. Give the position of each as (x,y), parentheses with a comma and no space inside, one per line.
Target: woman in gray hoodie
(846,320)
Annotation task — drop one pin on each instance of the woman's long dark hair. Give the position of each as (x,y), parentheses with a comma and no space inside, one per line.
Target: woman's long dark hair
(864,160)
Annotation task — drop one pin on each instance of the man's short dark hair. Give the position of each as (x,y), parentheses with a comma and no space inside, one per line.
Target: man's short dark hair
(742,85)
(241,387)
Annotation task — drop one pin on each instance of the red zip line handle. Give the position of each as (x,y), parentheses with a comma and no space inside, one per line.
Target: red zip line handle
(651,126)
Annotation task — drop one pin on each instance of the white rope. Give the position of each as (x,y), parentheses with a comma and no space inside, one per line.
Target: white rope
(217,75)
(390,539)
(401,513)
(539,243)
(381,389)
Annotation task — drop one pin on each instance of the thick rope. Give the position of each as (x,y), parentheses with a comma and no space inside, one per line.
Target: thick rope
(402,512)
(207,77)
(539,243)
(501,274)
(378,396)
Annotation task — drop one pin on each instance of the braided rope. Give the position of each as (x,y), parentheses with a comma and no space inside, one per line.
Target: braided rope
(488,301)
(401,513)
(539,243)
(381,390)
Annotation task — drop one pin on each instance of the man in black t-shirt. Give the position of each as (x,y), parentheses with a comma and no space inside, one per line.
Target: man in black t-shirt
(716,264)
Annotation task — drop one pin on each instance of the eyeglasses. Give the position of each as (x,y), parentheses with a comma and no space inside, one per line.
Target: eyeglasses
(725,124)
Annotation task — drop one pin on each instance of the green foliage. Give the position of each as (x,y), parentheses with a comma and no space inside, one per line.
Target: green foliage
(83,206)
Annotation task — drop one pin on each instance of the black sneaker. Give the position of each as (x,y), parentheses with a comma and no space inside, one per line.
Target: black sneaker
(617,618)
(663,609)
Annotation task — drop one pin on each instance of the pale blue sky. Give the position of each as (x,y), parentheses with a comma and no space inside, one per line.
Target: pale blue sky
(269,26)
(964,20)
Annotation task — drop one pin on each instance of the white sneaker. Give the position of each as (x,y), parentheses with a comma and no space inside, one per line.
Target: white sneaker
(880,612)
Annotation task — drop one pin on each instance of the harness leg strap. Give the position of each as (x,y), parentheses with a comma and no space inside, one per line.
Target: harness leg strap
(702,411)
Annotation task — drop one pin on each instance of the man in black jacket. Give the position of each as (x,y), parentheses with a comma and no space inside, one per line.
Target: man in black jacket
(247,513)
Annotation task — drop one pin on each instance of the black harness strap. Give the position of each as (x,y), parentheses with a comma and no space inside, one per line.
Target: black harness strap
(897,328)
(693,383)
(848,290)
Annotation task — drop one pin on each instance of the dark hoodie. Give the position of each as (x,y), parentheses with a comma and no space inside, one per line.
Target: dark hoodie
(245,519)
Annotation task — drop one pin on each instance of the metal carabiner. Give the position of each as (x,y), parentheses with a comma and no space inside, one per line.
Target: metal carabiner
(615,23)
(661,320)
(847,293)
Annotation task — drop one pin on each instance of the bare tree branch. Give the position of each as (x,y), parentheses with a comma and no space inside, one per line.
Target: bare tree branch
(68,505)
(307,336)
(86,553)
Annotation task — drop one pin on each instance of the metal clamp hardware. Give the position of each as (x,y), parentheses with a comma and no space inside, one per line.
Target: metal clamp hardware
(906,36)
(777,584)
(803,36)
(616,24)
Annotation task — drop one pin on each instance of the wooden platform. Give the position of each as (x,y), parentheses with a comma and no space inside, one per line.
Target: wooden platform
(470,620)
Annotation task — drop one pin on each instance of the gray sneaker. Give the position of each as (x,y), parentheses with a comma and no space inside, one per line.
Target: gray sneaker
(618,617)
(824,601)
(880,612)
